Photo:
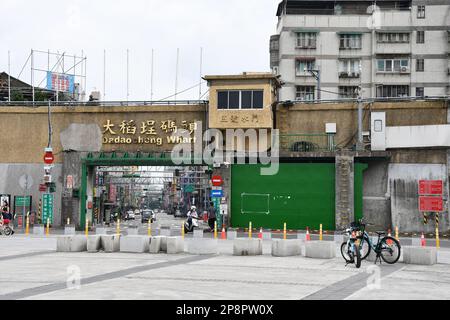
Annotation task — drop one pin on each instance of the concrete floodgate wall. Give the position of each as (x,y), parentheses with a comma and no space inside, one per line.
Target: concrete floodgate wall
(403,188)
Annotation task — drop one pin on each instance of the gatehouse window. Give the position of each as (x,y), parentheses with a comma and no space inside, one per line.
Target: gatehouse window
(240,99)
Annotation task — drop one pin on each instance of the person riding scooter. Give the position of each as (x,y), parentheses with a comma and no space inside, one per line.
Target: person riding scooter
(192,220)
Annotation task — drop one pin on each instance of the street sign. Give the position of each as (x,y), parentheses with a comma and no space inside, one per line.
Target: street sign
(48,157)
(69,182)
(217,181)
(42,187)
(22,201)
(216,193)
(430,204)
(430,187)
(47,207)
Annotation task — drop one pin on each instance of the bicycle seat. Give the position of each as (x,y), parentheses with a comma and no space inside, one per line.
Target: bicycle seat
(380,233)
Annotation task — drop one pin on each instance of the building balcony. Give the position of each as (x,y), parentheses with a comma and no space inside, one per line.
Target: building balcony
(345,74)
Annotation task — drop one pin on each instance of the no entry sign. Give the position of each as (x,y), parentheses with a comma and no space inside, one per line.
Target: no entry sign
(48,158)
(430,187)
(217,181)
(430,204)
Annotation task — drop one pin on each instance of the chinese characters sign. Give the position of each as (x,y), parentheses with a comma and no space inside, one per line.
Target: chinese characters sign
(60,82)
(147,132)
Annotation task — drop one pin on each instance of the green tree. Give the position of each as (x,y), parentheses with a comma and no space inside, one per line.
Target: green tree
(17,96)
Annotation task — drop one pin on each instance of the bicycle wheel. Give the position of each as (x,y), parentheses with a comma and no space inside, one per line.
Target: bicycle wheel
(364,248)
(389,250)
(357,256)
(344,253)
(7,231)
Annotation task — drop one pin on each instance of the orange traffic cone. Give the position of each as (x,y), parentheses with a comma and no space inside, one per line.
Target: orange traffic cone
(260,236)
(389,242)
(423,242)
(308,237)
(223,234)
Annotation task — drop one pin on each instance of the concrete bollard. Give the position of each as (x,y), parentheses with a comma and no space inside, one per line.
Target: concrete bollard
(134,244)
(78,243)
(155,244)
(175,245)
(163,247)
(198,233)
(110,242)
(420,255)
(202,246)
(286,248)
(267,234)
(247,247)
(38,229)
(320,249)
(69,229)
(63,243)
(231,234)
(94,243)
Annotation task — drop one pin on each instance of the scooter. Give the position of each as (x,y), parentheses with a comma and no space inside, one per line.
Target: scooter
(5,228)
(191,223)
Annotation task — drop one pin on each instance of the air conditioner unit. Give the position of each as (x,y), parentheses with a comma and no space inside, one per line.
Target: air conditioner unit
(404,69)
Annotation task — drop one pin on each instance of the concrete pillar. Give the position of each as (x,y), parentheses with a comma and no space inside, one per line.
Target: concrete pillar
(70,206)
(225,173)
(344,190)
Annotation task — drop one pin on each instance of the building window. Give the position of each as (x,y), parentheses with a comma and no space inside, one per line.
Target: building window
(348,92)
(393,65)
(306,40)
(419,92)
(303,65)
(240,99)
(350,41)
(420,37)
(390,37)
(448,36)
(394,91)
(304,93)
(420,65)
(349,68)
(420,12)
(378,125)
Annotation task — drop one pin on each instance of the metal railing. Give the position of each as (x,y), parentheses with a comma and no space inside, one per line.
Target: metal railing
(307,142)
(368,100)
(102,103)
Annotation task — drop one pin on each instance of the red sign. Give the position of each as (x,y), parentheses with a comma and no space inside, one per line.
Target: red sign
(430,204)
(48,158)
(217,181)
(43,187)
(432,187)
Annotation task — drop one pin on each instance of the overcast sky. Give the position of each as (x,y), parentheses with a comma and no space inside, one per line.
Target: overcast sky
(234,35)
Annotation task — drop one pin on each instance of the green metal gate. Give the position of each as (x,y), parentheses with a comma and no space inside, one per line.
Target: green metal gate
(300,194)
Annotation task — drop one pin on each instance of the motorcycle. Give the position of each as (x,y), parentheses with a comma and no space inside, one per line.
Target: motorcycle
(5,228)
(191,222)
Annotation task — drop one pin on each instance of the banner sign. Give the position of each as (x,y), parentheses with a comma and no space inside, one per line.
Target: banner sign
(66,82)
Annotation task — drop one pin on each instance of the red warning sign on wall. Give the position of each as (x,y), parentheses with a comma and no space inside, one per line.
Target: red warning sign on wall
(430,187)
(430,204)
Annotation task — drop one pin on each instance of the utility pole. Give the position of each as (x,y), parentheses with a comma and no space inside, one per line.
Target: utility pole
(316,74)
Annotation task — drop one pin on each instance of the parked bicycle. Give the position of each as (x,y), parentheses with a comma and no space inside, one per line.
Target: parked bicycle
(386,248)
(350,248)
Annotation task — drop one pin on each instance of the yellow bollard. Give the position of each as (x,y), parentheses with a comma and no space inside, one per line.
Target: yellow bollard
(284,232)
(182,230)
(396,233)
(47,232)
(438,242)
(118,227)
(86,231)
(250,229)
(320,233)
(215,229)
(149,229)
(27,227)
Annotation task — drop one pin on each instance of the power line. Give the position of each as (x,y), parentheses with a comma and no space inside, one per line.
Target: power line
(181,91)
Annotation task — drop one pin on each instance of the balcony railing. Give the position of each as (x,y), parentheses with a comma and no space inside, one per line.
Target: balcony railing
(306,142)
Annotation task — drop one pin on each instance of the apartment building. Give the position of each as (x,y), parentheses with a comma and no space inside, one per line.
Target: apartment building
(383,48)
